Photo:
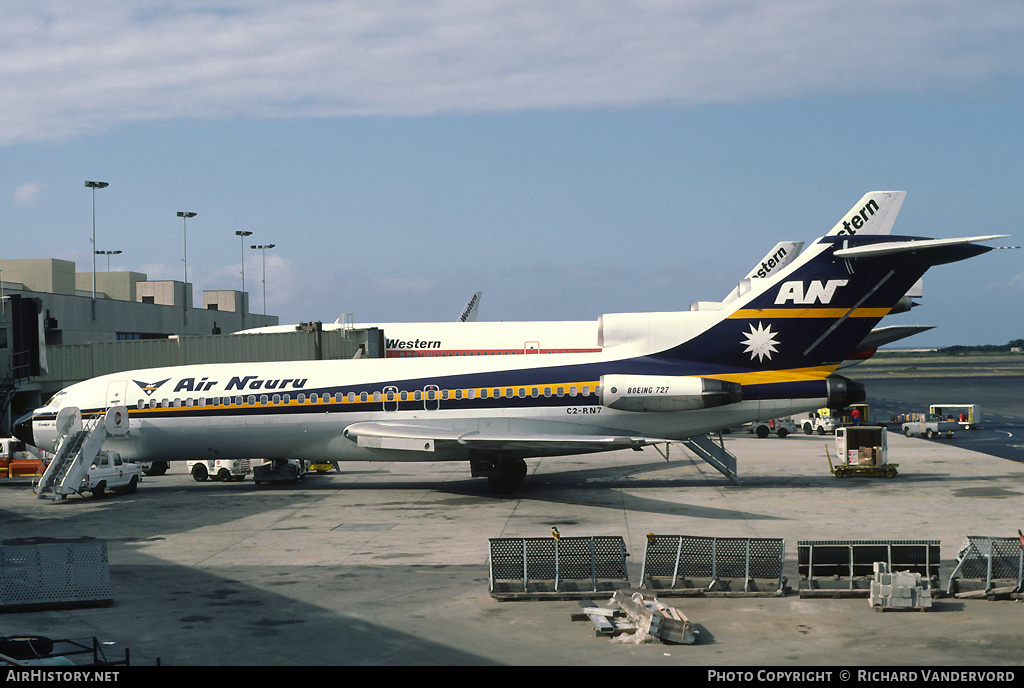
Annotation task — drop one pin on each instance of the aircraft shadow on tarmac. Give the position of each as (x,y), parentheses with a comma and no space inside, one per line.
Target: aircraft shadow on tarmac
(181,615)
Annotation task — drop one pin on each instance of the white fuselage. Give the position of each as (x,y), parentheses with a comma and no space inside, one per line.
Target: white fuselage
(446,339)
(301,409)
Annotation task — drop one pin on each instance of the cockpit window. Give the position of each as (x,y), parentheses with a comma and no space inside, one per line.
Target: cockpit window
(57,400)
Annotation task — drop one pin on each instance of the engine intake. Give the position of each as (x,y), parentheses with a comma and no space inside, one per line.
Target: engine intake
(843,391)
(666,393)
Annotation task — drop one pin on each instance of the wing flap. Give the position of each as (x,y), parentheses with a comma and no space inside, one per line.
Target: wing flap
(430,438)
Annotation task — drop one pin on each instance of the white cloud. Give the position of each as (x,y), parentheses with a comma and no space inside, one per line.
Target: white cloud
(26,193)
(69,69)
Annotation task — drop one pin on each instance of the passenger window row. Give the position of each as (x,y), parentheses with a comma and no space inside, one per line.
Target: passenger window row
(391,395)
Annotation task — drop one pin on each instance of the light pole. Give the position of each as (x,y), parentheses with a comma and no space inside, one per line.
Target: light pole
(241,233)
(185,215)
(107,254)
(264,247)
(94,186)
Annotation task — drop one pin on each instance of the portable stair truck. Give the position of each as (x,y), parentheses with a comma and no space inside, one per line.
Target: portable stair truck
(79,443)
(862,451)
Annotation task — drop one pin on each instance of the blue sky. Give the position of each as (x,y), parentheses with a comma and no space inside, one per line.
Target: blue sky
(566,158)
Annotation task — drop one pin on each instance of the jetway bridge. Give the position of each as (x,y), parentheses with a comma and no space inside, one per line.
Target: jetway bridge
(64,365)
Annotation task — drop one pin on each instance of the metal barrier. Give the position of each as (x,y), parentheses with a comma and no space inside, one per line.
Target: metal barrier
(54,575)
(700,565)
(569,567)
(835,567)
(985,562)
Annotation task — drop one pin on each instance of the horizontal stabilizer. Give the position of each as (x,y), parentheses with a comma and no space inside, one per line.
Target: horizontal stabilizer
(889,248)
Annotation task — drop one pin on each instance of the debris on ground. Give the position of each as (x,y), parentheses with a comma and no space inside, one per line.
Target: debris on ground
(899,590)
(630,618)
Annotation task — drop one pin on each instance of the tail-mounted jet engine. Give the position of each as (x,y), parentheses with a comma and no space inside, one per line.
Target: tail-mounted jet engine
(666,393)
(843,391)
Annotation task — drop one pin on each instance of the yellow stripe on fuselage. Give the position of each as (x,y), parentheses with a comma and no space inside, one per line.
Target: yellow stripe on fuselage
(765,377)
(830,313)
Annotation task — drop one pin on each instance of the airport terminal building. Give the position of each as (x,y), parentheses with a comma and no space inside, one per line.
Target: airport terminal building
(55,322)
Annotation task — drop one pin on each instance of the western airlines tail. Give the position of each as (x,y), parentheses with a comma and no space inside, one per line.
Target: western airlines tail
(875,213)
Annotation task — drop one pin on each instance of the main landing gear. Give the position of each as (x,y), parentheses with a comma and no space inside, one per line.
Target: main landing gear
(504,475)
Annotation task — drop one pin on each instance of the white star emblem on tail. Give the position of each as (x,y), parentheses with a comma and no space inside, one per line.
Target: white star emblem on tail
(760,342)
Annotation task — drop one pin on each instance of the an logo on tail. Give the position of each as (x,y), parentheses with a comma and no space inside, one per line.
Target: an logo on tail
(760,342)
(149,387)
(814,292)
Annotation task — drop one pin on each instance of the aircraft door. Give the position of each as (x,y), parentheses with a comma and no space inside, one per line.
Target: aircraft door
(116,393)
(431,398)
(390,398)
(531,347)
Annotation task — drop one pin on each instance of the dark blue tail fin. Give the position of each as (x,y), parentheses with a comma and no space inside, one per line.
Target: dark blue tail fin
(815,312)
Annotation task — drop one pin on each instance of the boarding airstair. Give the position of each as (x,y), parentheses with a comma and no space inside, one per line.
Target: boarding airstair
(78,445)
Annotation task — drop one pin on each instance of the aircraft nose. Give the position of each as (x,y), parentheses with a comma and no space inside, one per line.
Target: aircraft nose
(23,429)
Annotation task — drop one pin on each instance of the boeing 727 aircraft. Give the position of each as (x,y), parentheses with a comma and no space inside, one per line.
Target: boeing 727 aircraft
(769,352)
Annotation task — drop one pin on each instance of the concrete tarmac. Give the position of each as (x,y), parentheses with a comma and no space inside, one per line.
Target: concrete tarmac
(387,563)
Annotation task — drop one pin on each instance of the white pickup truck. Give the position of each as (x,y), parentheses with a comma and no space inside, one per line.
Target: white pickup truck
(930,425)
(109,472)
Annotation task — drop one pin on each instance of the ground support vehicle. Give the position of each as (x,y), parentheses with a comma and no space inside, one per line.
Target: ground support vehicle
(820,424)
(862,452)
(777,426)
(109,472)
(968,416)
(154,467)
(826,421)
(278,471)
(16,459)
(929,425)
(219,469)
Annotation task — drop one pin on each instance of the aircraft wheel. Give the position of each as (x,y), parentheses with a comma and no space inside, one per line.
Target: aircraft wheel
(512,474)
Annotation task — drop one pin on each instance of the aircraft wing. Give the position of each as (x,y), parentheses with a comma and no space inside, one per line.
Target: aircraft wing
(429,438)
